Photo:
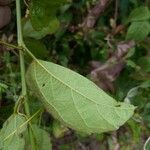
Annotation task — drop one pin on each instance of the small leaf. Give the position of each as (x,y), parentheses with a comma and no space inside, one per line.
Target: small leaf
(136,131)
(138,31)
(29,31)
(74,100)
(42,138)
(37,47)
(144,63)
(42,12)
(10,134)
(3,86)
(139,14)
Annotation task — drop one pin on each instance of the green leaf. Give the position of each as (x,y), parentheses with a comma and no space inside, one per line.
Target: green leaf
(36,47)
(14,143)
(42,12)
(74,100)
(10,134)
(42,138)
(144,63)
(3,86)
(136,131)
(139,14)
(138,31)
(1,144)
(29,31)
(5,112)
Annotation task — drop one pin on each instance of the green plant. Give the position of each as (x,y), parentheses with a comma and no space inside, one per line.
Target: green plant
(58,88)
(56,100)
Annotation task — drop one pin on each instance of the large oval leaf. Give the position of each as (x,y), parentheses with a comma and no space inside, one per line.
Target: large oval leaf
(74,100)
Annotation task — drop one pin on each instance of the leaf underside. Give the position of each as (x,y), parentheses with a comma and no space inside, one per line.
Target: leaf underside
(74,100)
(42,138)
(10,134)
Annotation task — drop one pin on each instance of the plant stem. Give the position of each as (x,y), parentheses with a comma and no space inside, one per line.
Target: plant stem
(28,52)
(10,45)
(22,64)
(22,67)
(19,28)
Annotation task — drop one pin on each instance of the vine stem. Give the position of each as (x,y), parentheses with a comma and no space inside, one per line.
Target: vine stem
(22,68)
(10,45)
(22,64)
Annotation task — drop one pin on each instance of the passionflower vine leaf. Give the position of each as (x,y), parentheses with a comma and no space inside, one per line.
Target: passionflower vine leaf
(74,100)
